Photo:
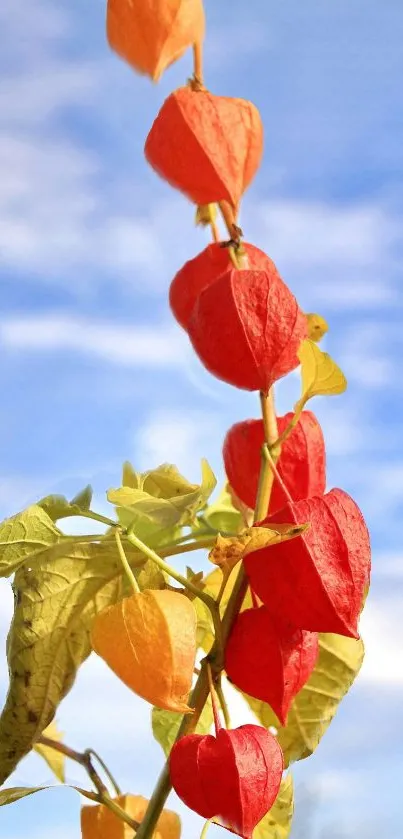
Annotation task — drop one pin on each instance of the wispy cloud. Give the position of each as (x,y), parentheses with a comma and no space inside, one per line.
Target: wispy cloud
(144,346)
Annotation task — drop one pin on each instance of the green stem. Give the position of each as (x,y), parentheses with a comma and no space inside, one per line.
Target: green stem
(123,558)
(176,575)
(89,514)
(288,430)
(93,754)
(223,702)
(276,473)
(173,549)
(205,829)
(85,760)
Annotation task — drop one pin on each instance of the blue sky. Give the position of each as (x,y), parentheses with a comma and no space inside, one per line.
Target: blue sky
(94,370)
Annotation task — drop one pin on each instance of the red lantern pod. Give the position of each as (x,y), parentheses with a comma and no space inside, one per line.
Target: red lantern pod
(246,328)
(302,463)
(202,271)
(234,776)
(269,660)
(209,147)
(316,581)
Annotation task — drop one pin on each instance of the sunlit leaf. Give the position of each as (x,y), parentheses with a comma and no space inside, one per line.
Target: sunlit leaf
(57,506)
(13,794)
(165,725)
(277,823)
(164,498)
(227,552)
(320,375)
(314,707)
(26,533)
(56,599)
(222,516)
(55,760)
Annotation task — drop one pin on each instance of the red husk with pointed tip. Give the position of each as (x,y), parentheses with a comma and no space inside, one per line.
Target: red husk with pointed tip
(316,581)
(202,271)
(269,660)
(209,147)
(234,776)
(246,328)
(302,463)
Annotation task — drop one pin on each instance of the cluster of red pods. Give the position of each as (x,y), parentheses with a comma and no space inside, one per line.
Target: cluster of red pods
(246,327)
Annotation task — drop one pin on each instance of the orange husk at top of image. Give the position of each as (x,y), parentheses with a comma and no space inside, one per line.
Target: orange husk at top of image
(149,641)
(152,34)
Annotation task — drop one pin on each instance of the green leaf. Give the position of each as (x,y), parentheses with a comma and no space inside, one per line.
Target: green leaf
(55,760)
(314,707)
(23,535)
(13,794)
(162,498)
(56,600)
(57,506)
(165,725)
(222,516)
(277,823)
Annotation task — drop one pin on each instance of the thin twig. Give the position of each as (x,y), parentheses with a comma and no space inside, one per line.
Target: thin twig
(84,759)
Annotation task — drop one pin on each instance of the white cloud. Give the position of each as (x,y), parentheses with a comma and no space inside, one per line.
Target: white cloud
(332,254)
(144,346)
(177,436)
(381,629)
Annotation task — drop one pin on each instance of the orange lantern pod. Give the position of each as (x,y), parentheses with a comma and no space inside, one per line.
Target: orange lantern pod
(149,641)
(100,823)
(152,34)
(209,147)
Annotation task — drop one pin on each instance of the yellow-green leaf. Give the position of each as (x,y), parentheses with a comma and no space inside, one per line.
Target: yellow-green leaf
(222,516)
(320,375)
(277,823)
(165,725)
(57,506)
(26,533)
(163,497)
(314,707)
(56,599)
(13,794)
(55,760)
(317,327)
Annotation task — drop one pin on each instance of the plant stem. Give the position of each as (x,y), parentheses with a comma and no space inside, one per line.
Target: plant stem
(205,829)
(223,703)
(84,759)
(89,514)
(217,721)
(176,575)
(174,549)
(123,558)
(198,63)
(266,478)
(93,754)
(276,473)
(201,688)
